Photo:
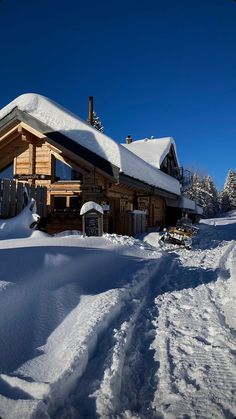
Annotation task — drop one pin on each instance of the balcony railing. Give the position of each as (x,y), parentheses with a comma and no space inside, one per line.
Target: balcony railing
(184,176)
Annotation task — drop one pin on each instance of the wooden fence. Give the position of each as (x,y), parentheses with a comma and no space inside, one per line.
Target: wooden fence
(14,197)
(131,223)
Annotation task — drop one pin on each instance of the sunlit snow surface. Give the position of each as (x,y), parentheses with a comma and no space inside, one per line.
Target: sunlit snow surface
(116,327)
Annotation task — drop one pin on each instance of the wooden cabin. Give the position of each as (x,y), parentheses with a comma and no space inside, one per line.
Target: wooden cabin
(161,154)
(45,145)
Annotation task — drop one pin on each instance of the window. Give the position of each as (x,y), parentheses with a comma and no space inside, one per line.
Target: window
(7,172)
(60,202)
(65,172)
(75,203)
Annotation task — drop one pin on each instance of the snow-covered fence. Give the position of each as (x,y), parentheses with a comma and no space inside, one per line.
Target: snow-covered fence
(14,197)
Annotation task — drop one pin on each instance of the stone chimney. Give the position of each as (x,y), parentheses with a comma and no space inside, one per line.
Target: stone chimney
(128,139)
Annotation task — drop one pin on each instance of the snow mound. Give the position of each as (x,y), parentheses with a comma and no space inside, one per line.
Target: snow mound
(130,241)
(68,233)
(22,225)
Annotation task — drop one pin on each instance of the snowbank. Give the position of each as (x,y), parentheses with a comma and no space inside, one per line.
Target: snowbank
(61,294)
(112,327)
(22,225)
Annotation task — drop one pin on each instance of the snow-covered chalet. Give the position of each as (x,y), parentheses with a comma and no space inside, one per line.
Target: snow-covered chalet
(43,144)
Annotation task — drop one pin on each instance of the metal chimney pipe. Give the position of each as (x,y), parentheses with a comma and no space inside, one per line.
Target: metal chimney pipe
(90,110)
(128,139)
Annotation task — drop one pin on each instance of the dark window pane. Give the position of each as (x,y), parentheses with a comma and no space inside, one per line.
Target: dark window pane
(60,202)
(76,175)
(7,172)
(63,172)
(75,202)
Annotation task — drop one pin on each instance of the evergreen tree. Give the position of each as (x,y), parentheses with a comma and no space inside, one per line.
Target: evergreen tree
(97,123)
(211,199)
(224,202)
(203,191)
(196,192)
(230,188)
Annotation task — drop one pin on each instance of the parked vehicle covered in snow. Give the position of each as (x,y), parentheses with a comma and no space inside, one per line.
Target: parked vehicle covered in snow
(182,233)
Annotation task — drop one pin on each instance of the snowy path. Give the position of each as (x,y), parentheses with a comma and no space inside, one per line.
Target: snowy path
(196,350)
(119,329)
(173,352)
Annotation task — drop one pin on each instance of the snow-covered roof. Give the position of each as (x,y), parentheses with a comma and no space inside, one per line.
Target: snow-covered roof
(63,121)
(152,150)
(89,206)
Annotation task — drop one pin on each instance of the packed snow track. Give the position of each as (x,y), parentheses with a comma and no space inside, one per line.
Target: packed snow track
(116,327)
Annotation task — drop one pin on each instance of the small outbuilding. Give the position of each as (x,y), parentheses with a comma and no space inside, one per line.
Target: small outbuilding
(92,219)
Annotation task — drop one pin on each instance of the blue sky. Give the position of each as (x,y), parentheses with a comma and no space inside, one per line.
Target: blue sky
(154,67)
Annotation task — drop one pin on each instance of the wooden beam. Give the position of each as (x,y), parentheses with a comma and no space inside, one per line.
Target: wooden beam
(32,148)
(32,130)
(9,133)
(4,143)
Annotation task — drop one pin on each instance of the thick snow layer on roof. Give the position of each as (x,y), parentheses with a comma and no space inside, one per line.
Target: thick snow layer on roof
(60,119)
(90,205)
(152,150)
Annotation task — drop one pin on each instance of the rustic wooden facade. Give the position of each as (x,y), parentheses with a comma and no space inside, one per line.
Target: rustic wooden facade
(38,155)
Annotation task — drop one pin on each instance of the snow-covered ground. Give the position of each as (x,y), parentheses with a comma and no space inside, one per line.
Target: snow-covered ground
(115,327)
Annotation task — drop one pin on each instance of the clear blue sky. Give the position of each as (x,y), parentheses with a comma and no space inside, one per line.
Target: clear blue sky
(154,67)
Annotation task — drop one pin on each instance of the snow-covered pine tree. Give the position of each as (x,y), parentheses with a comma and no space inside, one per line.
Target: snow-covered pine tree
(230,188)
(97,123)
(203,191)
(196,191)
(224,202)
(211,201)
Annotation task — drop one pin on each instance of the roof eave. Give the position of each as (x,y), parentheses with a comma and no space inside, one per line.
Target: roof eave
(16,115)
(143,186)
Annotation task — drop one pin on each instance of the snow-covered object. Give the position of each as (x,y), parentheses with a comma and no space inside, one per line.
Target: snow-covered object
(90,205)
(22,225)
(152,150)
(60,119)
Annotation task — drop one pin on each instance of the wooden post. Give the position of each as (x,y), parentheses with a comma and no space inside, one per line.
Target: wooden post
(13,199)
(6,198)
(32,151)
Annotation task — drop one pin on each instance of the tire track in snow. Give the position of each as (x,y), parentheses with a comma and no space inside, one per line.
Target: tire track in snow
(197,374)
(97,391)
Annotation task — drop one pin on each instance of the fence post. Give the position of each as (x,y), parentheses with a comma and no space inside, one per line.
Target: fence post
(12,212)
(5,198)
(12,197)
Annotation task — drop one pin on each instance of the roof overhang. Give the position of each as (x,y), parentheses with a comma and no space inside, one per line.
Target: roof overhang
(145,187)
(60,140)
(186,204)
